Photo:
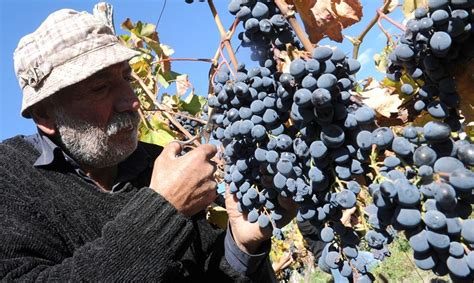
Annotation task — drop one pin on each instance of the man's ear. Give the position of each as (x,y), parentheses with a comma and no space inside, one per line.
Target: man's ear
(43,116)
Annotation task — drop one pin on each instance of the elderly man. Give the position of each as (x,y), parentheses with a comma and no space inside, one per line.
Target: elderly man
(82,200)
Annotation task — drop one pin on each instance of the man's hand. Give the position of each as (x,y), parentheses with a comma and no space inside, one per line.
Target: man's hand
(249,236)
(186,182)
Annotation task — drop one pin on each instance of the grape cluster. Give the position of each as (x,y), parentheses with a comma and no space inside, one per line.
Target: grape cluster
(338,256)
(294,135)
(424,187)
(185,119)
(265,29)
(435,41)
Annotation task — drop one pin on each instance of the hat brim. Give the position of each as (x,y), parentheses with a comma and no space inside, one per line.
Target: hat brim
(76,70)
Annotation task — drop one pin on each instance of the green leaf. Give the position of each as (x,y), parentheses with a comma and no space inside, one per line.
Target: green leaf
(162,80)
(165,78)
(171,76)
(153,44)
(125,37)
(193,103)
(159,137)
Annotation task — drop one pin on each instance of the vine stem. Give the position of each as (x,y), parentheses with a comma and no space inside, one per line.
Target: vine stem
(289,14)
(178,114)
(143,118)
(385,32)
(227,62)
(383,15)
(183,59)
(223,34)
(212,71)
(168,115)
(358,41)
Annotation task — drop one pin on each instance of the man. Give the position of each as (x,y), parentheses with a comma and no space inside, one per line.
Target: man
(82,200)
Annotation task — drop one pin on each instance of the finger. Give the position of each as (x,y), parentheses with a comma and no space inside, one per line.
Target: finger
(211,167)
(227,190)
(230,199)
(204,151)
(172,150)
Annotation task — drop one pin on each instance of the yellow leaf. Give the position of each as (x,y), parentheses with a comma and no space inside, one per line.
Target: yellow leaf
(411,5)
(217,216)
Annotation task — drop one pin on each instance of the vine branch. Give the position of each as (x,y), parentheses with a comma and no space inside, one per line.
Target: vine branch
(177,114)
(358,41)
(289,14)
(223,34)
(183,59)
(167,114)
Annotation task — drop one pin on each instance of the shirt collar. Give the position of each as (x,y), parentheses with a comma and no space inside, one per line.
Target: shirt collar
(53,157)
(50,153)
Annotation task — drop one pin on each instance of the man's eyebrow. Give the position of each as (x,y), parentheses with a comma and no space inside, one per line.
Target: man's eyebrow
(101,74)
(105,73)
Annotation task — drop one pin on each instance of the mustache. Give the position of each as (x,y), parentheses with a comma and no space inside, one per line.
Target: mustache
(122,121)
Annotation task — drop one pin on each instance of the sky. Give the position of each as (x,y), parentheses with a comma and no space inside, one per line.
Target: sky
(188,28)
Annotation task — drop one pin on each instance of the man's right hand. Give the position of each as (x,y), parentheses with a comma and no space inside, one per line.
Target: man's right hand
(187,182)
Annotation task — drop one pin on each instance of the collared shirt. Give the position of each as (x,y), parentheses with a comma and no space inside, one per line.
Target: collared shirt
(52,157)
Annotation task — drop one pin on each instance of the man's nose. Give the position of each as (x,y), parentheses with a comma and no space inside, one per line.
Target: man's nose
(127,100)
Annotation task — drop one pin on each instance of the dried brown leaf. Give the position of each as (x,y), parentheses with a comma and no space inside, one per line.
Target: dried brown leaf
(381,99)
(283,62)
(182,84)
(392,6)
(327,17)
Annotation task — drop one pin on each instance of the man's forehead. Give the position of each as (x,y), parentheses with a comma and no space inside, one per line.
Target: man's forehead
(104,74)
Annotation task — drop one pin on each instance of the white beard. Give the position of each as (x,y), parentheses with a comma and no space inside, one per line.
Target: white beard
(92,146)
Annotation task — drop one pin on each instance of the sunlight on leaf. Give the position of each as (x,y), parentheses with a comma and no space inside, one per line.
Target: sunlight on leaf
(327,17)
(411,5)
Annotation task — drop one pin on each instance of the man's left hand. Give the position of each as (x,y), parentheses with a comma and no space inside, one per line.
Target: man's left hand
(249,236)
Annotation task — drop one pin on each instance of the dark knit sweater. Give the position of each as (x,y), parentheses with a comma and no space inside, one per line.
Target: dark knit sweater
(55,226)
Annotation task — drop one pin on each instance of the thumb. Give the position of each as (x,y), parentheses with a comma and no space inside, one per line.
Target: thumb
(172,150)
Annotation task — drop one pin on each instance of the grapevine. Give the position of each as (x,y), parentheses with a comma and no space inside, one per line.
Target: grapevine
(295,124)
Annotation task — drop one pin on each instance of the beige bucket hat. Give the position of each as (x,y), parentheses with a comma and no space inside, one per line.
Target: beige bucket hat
(68,47)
